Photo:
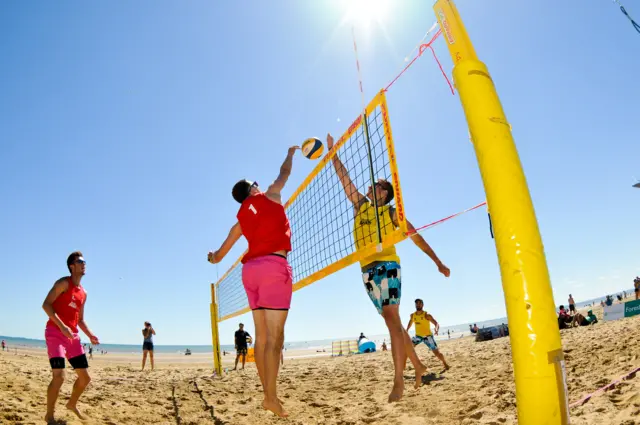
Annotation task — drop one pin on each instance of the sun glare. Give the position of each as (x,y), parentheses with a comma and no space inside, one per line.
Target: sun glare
(363,13)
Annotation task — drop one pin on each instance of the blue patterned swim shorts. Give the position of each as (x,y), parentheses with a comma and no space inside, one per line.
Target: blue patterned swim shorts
(429,341)
(382,283)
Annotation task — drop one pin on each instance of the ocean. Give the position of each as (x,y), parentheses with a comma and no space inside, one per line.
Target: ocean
(457,331)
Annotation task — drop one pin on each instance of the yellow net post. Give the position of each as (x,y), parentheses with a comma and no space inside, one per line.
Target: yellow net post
(215,337)
(536,347)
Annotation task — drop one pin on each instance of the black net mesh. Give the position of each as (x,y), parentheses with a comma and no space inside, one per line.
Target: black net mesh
(322,216)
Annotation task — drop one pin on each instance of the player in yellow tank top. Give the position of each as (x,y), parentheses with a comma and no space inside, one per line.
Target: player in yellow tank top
(381,271)
(423,321)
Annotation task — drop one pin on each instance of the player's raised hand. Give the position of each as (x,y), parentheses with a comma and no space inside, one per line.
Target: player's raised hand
(329,141)
(293,150)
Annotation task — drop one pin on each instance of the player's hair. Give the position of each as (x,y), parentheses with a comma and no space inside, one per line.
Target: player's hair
(72,258)
(389,188)
(241,190)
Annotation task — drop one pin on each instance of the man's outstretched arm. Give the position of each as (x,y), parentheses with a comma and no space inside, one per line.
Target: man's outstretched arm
(350,189)
(276,187)
(417,239)
(410,323)
(234,235)
(435,323)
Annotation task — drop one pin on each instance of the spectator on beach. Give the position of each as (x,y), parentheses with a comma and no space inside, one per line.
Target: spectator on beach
(636,286)
(609,300)
(242,337)
(384,345)
(580,320)
(503,330)
(572,305)
(91,352)
(361,336)
(564,319)
(4,345)
(449,333)
(147,345)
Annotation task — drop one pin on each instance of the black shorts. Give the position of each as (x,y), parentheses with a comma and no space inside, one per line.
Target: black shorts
(572,307)
(77,362)
(242,351)
(147,346)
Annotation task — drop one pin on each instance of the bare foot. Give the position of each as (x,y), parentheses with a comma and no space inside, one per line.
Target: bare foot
(75,410)
(49,419)
(446,367)
(420,370)
(275,407)
(396,393)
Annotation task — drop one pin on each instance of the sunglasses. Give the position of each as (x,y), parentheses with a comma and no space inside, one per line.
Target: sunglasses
(80,262)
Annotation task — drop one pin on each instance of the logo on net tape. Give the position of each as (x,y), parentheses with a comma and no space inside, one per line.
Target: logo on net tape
(399,206)
(446,28)
(387,128)
(351,128)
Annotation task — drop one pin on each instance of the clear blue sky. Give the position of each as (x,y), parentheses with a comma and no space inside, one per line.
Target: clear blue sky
(123,127)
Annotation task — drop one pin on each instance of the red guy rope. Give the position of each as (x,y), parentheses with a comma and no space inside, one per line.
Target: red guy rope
(435,223)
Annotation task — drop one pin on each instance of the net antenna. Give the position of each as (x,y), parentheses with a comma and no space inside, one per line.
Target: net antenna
(368,140)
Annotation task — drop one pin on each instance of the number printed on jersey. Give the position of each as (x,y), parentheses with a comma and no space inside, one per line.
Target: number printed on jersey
(252,208)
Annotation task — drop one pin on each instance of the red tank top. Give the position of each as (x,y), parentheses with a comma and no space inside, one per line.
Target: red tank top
(67,306)
(265,225)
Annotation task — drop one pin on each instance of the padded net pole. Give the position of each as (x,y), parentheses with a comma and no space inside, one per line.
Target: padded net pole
(538,362)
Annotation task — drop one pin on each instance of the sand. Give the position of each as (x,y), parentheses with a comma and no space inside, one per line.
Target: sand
(479,389)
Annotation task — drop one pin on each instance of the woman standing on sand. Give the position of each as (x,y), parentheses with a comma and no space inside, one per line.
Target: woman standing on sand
(147,346)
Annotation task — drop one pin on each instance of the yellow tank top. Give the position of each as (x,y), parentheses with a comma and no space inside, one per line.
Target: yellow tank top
(423,325)
(365,232)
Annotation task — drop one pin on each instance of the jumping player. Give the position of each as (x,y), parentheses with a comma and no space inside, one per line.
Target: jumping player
(381,271)
(423,321)
(266,274)
(65,307)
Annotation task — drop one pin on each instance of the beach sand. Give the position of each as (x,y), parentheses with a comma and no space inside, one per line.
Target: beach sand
(479,389)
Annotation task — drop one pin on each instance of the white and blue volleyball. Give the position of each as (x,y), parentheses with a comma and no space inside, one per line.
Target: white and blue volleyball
(312,148)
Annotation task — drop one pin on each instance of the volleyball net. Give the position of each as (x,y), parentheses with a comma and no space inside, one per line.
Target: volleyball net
(324,237)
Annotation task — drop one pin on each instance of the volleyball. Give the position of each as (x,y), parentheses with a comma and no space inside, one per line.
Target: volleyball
(312,148)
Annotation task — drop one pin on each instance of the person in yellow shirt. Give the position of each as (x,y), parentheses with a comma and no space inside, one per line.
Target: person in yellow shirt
(423,321)
(381,271)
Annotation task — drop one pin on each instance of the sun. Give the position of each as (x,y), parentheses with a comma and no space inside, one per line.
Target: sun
(363,13)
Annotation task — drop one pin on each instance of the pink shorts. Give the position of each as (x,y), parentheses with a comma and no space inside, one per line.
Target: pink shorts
(268,281)
(59,345)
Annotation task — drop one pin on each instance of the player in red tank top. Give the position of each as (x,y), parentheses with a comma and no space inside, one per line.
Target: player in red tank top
(266,275)
(65,307)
